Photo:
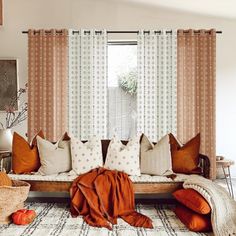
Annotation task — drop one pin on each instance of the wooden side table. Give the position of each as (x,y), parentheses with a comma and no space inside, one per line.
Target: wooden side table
(3,155)
(225,165)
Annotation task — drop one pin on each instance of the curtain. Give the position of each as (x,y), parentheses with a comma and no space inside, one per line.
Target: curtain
(47,81)
(157,86)
(196,89)
(88,84)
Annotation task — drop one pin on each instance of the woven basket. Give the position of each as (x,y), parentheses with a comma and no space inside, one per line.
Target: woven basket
(12,199)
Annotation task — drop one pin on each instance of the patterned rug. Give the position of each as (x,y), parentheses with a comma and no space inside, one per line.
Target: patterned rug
(54,219)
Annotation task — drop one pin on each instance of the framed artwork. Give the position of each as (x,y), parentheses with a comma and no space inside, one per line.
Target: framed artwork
(8,82)
(1,13)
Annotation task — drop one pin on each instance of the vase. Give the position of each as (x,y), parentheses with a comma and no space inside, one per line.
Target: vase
(5,140)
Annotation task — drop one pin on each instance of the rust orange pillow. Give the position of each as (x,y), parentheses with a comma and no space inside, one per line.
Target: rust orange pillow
(193,200)
(5,180)
(185,159)
(25,157)
(192,220)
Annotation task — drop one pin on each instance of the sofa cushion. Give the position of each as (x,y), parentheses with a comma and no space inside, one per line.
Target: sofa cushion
(192,220)
(155,159)
(25,157)
(185,158)
(123,157)
(193,200)
(86,156)
(54,158)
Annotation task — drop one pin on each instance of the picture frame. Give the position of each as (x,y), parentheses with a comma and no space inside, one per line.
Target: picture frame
(9,82)
(1,13)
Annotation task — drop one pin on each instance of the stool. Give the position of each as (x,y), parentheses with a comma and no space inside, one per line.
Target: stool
(225,164)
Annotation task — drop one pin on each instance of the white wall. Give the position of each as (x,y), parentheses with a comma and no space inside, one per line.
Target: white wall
(25,14)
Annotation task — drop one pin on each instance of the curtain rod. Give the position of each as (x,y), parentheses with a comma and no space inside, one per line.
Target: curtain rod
(128,32)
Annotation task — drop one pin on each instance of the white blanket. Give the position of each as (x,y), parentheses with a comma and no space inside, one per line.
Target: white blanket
(223,216)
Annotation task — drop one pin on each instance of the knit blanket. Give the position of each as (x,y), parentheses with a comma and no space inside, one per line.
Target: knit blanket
(223,215)
(101,196)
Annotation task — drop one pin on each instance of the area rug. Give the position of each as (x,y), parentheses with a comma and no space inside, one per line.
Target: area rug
(54,219)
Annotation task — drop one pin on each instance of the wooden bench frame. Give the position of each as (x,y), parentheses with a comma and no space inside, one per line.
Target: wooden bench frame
(139,188)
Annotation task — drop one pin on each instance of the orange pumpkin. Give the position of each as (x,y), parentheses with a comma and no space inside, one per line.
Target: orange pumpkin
(23,217)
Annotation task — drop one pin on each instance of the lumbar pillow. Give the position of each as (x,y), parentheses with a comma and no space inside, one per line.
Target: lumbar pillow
(156,159)
(25,157)
(193,200)
(5,180)
(192,220)
(185,158)
(54,158)
(86,156)
(123,157)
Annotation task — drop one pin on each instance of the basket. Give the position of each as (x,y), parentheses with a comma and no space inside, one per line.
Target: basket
(12,199)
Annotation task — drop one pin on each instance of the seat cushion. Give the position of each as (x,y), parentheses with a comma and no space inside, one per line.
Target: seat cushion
(67,177)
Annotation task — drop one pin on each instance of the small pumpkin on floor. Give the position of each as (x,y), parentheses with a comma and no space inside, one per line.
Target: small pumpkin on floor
(23,217)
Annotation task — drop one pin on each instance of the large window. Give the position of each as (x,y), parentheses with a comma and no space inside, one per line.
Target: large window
(122,89)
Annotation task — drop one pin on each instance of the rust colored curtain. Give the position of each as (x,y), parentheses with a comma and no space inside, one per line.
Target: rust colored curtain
(47,81)
(196,89)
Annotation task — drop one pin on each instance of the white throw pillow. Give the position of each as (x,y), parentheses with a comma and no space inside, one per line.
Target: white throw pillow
(86,156)
(156,159)
(54,158)
(123,157)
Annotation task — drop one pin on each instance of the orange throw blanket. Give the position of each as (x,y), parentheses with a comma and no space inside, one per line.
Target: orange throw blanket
(101,196)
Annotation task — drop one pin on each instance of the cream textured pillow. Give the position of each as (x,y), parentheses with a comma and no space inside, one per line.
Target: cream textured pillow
(86,156)
(54,158)
(156,159)
(123,157)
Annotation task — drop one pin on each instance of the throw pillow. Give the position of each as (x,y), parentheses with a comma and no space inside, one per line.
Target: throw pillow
(193,200)
(185,159)
(54,158)
(5,180)
(25,157)
(192,220)
(86,156)
(123,157)
(156,159)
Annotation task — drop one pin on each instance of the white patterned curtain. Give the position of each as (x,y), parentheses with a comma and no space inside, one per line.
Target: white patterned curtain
(157,83)
(88,83)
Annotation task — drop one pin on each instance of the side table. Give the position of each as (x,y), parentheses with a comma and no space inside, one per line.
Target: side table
(225,165)
(3,155)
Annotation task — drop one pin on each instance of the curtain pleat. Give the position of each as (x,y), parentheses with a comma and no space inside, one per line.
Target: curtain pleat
(88,84)
(157,87)
(47,81)
(196,90)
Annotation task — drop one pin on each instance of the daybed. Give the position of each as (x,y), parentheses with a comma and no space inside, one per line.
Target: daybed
(142,184)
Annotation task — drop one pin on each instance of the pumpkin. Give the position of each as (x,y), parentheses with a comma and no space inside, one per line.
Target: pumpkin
(23,217)
(5,180)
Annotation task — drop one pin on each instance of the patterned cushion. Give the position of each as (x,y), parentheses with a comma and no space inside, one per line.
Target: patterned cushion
(86,156)
(156,159)
(124,157)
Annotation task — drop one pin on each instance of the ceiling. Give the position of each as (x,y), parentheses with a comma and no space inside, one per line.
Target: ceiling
(217,8)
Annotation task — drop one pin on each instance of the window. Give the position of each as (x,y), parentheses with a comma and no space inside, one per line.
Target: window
(122,89)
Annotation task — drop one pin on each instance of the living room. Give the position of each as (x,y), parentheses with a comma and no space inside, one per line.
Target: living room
(124,26)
